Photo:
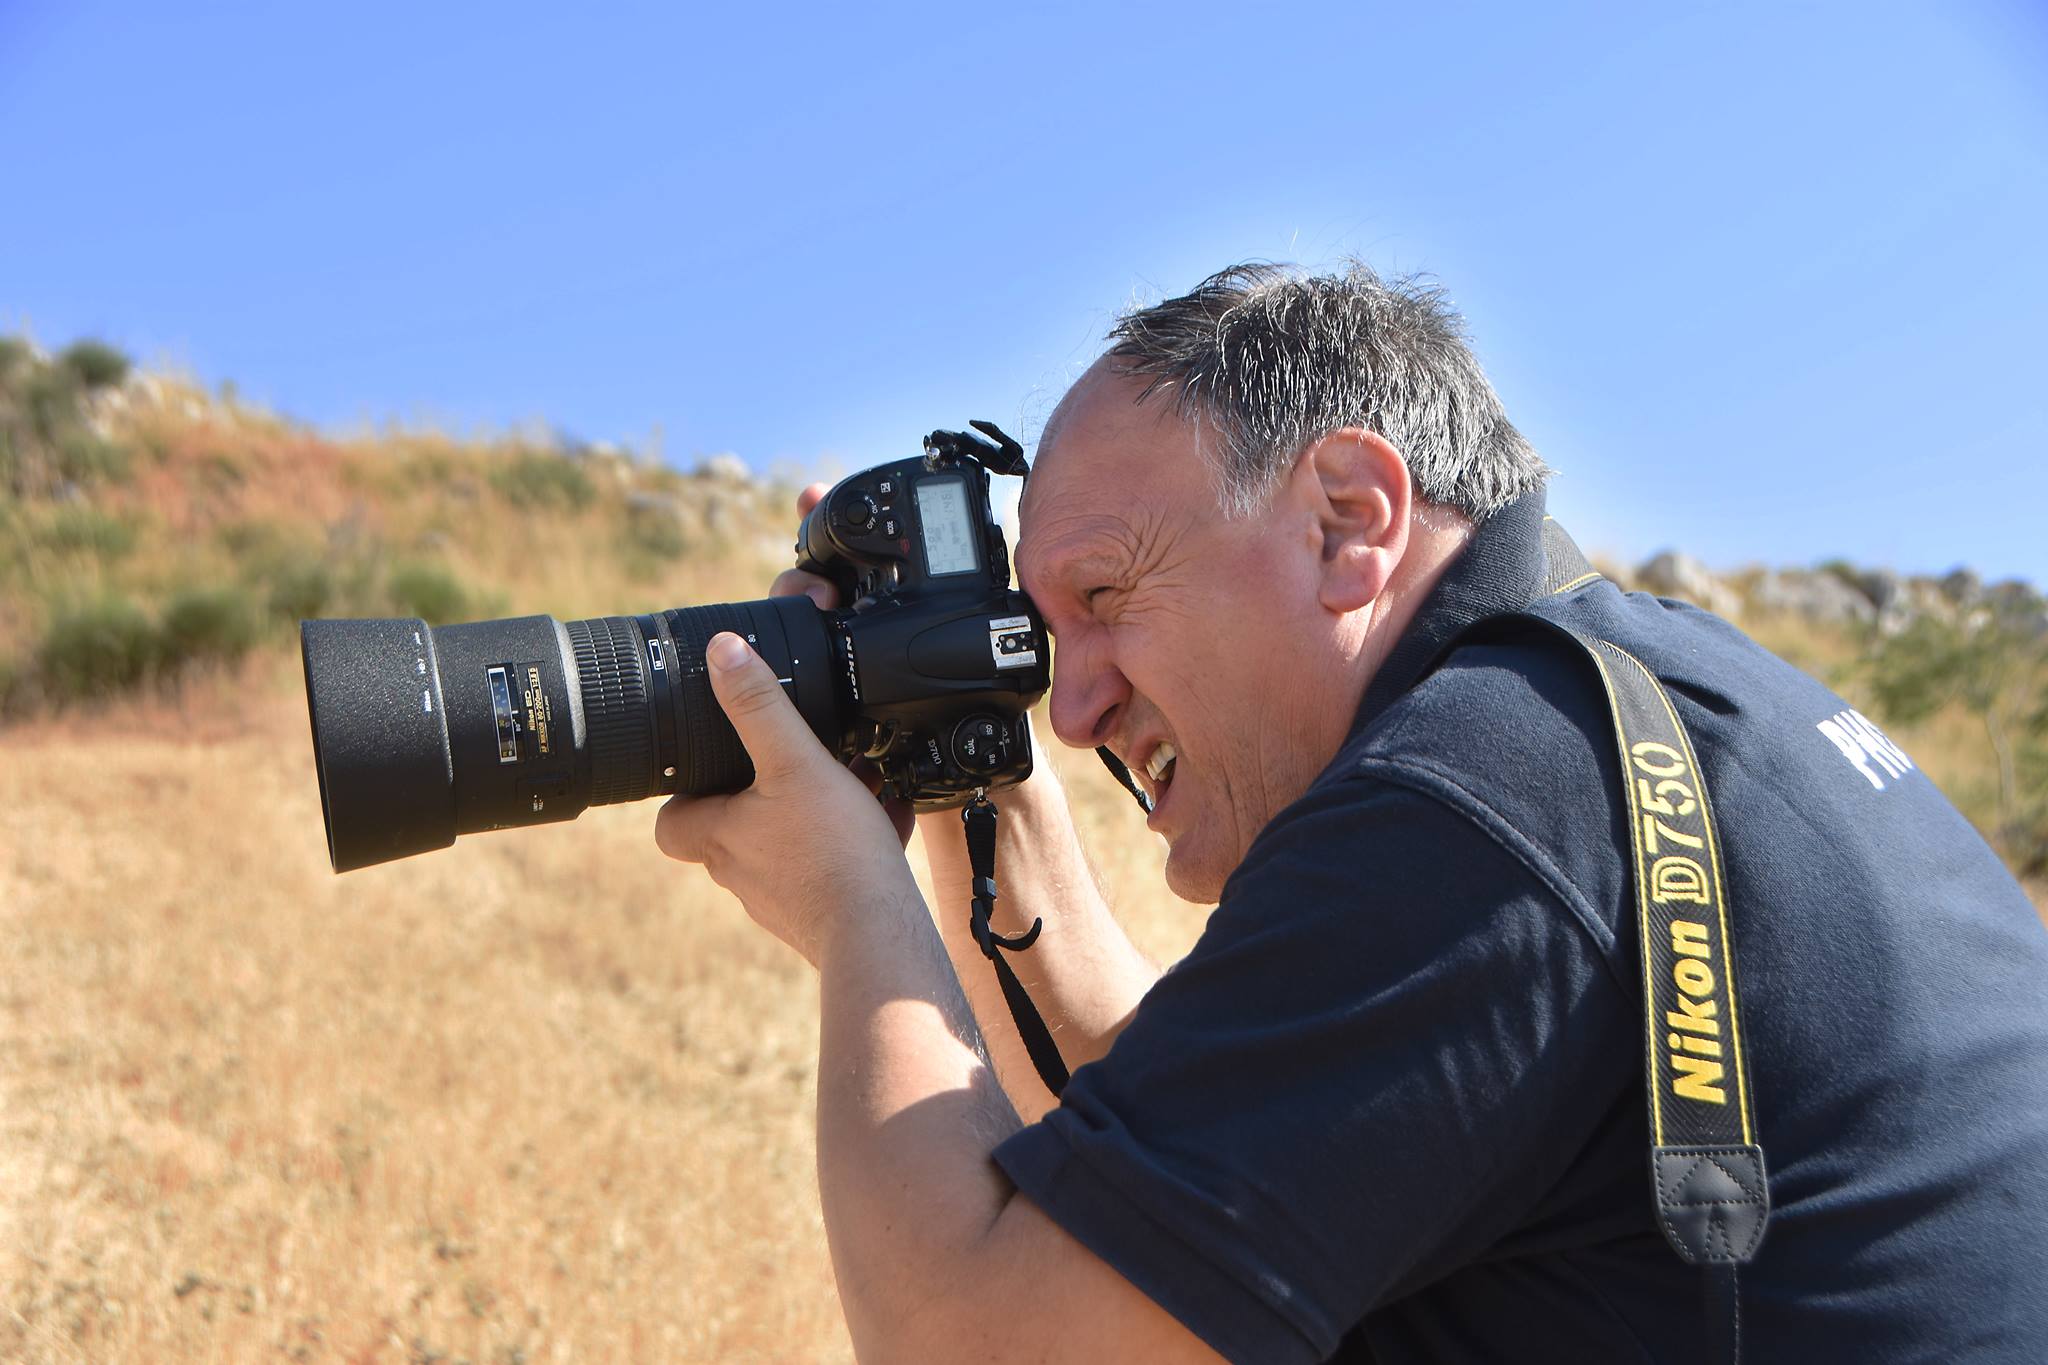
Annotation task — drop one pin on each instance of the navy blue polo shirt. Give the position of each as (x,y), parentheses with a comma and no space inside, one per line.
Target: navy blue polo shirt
(1391,1108)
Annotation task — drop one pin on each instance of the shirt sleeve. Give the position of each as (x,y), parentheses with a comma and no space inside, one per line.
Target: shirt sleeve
(1389,1042)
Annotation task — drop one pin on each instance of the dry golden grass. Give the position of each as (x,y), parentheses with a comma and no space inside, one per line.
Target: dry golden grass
(544,1096)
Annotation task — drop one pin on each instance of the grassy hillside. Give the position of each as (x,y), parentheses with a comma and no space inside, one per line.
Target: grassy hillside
(541,1097)
(147,529)
(151,533)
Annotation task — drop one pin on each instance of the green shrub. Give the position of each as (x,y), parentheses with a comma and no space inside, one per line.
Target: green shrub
(16,356)
(292,581)
(94,364)
(83,457)
(208,623)
(426,467)
(95,649)
(260,541)
(91,531)
(428,591)
(50,398)
(300,588)
(538,478)
(653,531)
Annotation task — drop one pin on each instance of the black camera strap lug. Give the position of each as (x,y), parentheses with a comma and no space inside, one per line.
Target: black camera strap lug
(979,817)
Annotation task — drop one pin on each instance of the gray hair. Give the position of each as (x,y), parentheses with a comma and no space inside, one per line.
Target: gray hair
(1273,360)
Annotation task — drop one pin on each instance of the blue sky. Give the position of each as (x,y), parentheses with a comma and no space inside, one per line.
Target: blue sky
(1763,281)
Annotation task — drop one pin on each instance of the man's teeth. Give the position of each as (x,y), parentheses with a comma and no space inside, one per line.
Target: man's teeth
(1162,759)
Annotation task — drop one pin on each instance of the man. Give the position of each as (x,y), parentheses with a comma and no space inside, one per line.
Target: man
(1391,1106)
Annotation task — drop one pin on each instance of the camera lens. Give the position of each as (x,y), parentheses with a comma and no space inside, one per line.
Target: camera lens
(423,734)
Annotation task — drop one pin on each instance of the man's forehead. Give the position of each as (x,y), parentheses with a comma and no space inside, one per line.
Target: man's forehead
(1094,545)
(1108,467)
(1104,399)
(1098,437)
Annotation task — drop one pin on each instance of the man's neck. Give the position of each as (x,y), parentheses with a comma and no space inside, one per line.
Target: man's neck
(1435,540)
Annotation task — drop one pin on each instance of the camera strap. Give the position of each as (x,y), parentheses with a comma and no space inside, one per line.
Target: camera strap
(1707,1169)
(1123,776)
(980,819)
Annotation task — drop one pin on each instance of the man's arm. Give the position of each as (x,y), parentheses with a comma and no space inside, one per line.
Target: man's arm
(937,1257)
(1084,974)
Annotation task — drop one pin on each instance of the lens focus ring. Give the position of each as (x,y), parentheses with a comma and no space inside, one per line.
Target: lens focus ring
(615,710)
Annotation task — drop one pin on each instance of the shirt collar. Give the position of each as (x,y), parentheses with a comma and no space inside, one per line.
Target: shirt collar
(1500,569)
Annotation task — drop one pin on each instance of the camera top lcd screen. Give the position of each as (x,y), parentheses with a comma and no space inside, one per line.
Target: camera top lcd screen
(948,535)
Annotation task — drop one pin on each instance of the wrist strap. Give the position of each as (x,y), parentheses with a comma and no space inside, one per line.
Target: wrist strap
(980,820)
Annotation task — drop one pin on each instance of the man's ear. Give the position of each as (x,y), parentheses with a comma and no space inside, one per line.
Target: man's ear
(1354,487)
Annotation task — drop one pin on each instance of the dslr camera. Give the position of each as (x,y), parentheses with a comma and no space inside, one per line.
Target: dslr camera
(421,734)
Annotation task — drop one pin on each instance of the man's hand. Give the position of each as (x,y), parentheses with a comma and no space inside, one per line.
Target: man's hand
(920,1220)
(806,843)
(1084,976)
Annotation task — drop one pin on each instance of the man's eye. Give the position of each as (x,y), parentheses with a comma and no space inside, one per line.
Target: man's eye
(1093,593)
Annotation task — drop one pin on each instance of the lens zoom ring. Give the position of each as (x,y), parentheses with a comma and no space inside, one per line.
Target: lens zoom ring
(614,708)
(710,753)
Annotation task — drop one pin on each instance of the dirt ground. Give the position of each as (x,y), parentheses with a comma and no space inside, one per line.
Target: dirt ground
(543,1096)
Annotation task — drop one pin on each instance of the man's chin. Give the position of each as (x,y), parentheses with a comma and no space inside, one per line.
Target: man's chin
(1192,872)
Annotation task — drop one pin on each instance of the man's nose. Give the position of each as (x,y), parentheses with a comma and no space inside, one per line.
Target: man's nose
(1087,690)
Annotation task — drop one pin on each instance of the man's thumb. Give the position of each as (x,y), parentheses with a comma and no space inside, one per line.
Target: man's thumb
(775,735)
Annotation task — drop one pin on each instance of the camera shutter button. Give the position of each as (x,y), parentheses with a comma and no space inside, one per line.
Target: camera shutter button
(860,513)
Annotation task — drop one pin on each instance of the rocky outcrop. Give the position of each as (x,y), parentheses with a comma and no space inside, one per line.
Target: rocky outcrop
(1842,595)
(1811,595)
(1672,573)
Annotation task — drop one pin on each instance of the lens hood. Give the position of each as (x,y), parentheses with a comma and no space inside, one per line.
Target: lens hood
(380,739)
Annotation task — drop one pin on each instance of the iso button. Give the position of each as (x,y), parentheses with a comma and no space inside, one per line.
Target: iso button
(981,744)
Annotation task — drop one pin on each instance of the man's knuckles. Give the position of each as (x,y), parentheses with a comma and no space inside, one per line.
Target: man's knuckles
(684,827)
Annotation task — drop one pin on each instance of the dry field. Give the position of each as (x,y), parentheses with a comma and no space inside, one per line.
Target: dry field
(543,1096)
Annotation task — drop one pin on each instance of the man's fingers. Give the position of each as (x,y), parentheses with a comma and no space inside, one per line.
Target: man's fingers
(792,582)
(808,499)
(775,735)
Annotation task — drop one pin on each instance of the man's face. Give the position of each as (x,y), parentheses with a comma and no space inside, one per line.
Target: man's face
(1175,626)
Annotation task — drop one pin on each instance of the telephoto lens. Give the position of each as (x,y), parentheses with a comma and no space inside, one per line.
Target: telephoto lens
(422,734)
